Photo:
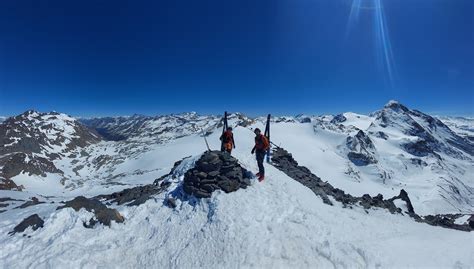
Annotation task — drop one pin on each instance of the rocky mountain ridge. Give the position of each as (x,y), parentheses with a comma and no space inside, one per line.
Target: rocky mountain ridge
(32,141)
(159,129)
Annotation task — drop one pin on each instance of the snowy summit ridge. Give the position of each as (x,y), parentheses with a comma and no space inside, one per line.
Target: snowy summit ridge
(169,205)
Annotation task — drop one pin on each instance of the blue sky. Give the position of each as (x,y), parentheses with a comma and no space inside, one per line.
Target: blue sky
(92,58)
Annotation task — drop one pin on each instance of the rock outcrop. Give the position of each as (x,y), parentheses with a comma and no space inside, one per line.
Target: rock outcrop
(33,221)
(215,170)
(404,197)
(140,194)
(103,214)
(284,161)
(8,184)
(362,149)
(32,202)
(449,221)
(340,118)
(135,196)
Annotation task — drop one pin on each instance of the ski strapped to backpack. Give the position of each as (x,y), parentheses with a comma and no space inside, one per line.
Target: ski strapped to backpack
(267,135)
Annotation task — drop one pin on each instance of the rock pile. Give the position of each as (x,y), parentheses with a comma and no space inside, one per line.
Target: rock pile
(215,170)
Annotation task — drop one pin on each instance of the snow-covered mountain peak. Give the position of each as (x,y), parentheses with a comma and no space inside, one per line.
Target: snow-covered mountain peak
(30,142)
(29,112)
(396,106)
(430,134)
(54,131)
(392,103)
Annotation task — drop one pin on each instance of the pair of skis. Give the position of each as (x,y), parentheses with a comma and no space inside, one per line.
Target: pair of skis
(267,135)
(224,128)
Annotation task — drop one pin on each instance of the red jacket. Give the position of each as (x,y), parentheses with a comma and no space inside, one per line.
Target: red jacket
(261,142)
(227,137)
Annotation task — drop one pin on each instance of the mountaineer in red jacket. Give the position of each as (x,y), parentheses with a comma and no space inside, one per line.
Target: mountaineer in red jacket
(227,139)
(260,148)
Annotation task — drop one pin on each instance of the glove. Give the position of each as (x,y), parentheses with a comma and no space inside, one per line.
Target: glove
(253,151)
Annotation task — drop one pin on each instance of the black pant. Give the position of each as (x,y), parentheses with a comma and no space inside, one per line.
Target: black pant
(260,157)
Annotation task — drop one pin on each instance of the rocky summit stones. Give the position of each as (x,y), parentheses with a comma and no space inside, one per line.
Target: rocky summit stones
(213,171)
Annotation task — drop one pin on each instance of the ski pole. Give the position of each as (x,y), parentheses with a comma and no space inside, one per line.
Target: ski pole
(205,139)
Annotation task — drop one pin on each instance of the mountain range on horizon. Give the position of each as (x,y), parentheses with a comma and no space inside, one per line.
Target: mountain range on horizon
(447,117)
(396,167)
(43,138)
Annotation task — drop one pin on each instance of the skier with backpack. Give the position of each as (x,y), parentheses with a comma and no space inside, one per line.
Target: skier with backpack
(227,139)
(261,147)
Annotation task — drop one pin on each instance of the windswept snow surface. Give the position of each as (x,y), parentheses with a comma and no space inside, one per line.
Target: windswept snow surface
(275,224)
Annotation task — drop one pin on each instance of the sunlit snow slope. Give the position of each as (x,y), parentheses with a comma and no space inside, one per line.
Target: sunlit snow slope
(275,224)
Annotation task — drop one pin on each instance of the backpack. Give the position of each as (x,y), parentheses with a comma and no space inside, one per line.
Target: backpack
(265,142)
(262,142)
(227,137)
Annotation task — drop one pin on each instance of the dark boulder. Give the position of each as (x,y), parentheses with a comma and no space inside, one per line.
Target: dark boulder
(33,221)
